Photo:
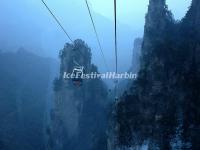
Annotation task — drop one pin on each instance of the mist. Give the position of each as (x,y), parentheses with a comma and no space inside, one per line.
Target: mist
(42,108)
(28,24)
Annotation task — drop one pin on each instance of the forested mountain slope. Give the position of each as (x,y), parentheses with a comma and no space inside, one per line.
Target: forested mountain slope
(79,117)
(162,106)
(24,89)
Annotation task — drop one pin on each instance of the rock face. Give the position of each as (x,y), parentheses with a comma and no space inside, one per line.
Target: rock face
(135,65)
(134,68)
(162,106)
(79,115)
(24,92)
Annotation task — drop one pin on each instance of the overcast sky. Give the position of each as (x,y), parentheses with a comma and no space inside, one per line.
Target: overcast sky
(132,12)
(28,24)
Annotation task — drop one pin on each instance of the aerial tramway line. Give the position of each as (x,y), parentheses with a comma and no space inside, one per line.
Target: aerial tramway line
(77,67)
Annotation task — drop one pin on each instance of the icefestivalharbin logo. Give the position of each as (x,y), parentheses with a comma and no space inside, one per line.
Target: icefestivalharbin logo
(78,73)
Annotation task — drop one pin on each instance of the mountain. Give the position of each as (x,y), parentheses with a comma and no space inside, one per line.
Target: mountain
(161,109)
(79,116)
(125,84)
(25,89)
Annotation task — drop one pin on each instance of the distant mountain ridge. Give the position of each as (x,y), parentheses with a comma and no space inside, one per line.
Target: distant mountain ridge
(25,81)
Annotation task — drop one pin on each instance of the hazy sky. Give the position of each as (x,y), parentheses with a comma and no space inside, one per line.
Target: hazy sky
(130,11)
(28,24)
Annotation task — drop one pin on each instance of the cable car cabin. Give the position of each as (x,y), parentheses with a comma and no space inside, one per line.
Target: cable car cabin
(77,76)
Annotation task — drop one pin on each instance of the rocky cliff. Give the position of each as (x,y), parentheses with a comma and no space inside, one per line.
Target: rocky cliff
(162,106)
(25,90)
(79,116)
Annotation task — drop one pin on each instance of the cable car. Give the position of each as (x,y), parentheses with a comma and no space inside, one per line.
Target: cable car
(77,75)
